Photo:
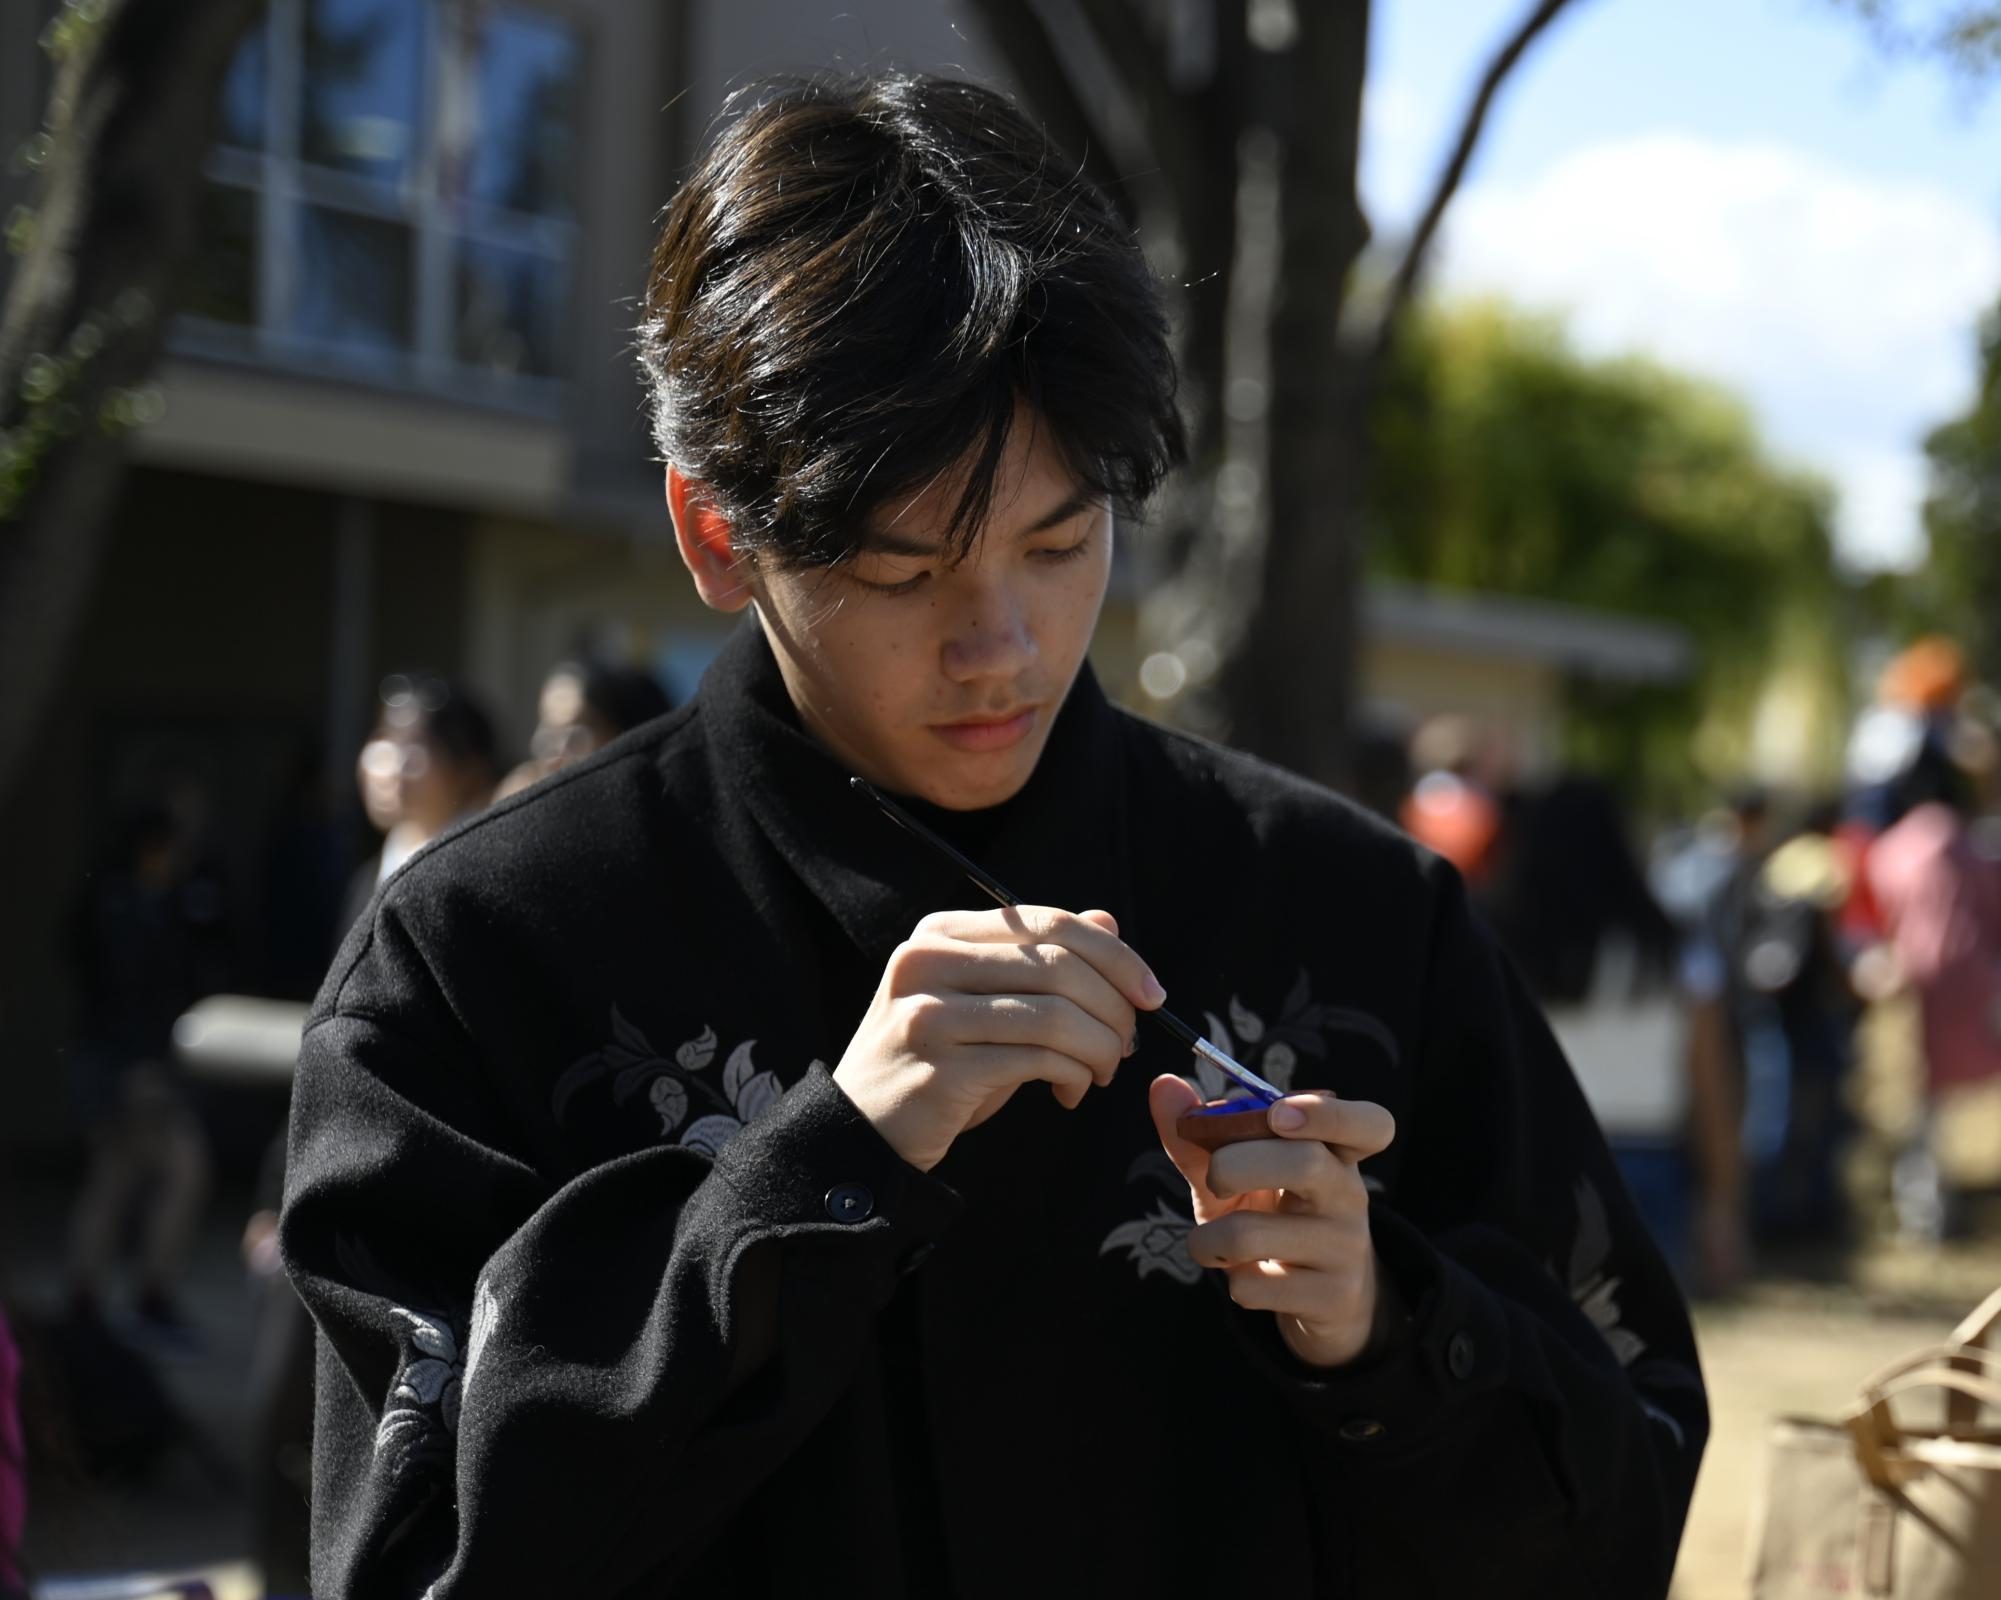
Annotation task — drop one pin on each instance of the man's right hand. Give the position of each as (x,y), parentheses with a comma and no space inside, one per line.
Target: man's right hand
(976,1003)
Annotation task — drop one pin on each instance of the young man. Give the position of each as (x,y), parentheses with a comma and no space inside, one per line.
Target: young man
(699,1193)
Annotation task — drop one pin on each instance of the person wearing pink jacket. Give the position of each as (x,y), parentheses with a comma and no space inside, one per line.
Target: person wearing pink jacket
(1941,905)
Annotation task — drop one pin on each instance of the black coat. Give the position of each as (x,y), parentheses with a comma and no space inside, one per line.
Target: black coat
(619,1295)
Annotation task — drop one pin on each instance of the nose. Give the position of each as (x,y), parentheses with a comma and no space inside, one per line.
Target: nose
(990,635)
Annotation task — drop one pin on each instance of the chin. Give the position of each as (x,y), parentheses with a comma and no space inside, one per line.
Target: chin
(965,789)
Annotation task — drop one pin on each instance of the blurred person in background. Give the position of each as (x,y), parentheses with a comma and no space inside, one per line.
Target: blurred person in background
(1939,899)
(1452,807)
(1638,1009)
(1796,1019)
(582,709)
(1693,867)
(150,941)
(433,758)
(307,867)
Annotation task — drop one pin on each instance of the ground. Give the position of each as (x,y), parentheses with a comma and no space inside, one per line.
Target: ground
(1800,1346)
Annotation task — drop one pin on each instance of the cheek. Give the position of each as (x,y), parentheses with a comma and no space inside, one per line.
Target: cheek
(870,667)
(1071,607)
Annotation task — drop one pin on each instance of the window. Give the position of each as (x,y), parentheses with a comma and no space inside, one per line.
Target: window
(391,194)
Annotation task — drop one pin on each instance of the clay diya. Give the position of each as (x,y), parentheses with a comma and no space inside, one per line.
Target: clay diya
(1231,1120)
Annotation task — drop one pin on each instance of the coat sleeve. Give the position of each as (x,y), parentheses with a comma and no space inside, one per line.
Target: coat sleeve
(530,1386)
(1537,1428)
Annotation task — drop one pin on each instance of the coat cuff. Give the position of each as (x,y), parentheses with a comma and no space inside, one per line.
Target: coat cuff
(813,1164)
(1433,1380)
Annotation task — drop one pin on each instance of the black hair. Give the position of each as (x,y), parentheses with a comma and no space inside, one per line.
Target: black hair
(1749,803)
(855,287)
(1931,777)
(624,697)
(449,717)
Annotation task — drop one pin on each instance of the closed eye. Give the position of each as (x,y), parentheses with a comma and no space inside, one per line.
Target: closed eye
(1056,555)
(906,586)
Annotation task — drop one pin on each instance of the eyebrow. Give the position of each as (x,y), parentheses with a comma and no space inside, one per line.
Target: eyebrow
(889,542)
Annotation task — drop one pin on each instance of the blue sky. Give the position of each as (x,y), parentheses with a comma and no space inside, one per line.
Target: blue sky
(1746,188)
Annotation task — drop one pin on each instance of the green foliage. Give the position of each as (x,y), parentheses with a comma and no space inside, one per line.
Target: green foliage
(1958,591)
(73,29)
(1509,464)
(53,398)
(1964,33)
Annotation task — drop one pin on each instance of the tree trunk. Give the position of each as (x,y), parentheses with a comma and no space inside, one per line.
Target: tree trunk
(129,127)
(1290,681)
(1260,546)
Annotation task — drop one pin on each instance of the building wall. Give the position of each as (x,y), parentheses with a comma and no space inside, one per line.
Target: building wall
(1520,701)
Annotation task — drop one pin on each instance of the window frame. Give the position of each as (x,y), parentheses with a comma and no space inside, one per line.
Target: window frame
(284,186)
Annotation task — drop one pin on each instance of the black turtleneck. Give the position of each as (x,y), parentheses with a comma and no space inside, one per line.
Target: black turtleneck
(619,1295)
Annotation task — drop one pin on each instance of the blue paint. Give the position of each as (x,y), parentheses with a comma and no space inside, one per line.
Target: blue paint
(1241,1101)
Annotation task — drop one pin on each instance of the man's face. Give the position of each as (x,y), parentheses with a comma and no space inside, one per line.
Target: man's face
(940,680)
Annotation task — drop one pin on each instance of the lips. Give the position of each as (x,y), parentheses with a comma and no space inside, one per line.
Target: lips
(978,735)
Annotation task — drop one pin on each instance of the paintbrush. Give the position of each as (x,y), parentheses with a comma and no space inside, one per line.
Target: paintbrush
(1161,1016)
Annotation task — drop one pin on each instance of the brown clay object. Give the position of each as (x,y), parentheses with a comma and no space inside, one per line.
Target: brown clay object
(1214,1129)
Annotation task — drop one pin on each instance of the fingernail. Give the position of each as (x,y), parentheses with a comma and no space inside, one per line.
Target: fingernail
(1287,1115)
(1153,991)
(1132,1044)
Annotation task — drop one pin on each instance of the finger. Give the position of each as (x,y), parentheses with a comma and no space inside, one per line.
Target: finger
(1169,1098)
(1033,969)
(1031,925)
(1358,1129)
(1311,1295)
(1009,1066)
(1308,1171)
(1047,1020)
(1245,1235)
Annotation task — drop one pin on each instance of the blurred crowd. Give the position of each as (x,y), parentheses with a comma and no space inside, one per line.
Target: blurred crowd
(1786,1013)
(154,961)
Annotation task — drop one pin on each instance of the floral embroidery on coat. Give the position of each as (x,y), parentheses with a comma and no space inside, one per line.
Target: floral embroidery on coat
(720,1103)
(423,1405)
(1273,1050)
(485,1316)
(1158,1241)
(1595,1290)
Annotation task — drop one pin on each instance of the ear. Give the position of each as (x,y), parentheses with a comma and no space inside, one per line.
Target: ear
(702,534)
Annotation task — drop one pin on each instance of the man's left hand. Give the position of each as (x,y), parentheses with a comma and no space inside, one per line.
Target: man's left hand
(1287,1217)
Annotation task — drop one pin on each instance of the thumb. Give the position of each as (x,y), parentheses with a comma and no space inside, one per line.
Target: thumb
(1169,1098)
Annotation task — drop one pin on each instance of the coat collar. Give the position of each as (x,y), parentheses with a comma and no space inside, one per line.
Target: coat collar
(1057,842)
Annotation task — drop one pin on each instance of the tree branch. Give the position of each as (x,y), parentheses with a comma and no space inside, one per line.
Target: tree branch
(1021,33)
(1404,284)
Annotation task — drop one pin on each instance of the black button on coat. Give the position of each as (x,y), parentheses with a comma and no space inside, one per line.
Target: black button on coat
(618,1295)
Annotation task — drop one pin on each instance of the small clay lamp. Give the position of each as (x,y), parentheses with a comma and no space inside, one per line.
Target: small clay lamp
(1230,1120)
